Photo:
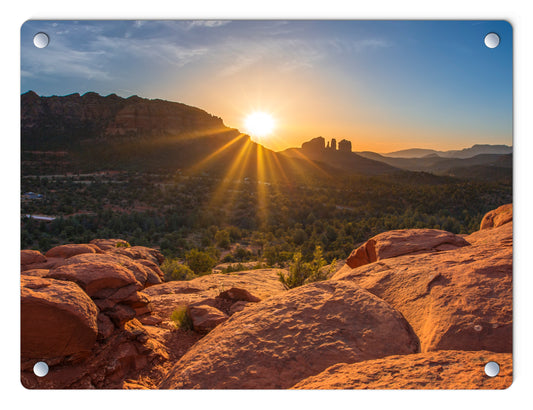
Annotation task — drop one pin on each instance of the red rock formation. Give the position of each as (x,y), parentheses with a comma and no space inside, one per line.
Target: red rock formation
(54,305)
(111,115)
(66,251)
(284,339)
(205,318)
(403,242)
(447,369)
(459,299)
(237,294)
(139,252)
(57,319)
(497,217)
(95,276)
(128,352)
(411,290)
(143,273)
(207,290)
(36,272)
(29,257)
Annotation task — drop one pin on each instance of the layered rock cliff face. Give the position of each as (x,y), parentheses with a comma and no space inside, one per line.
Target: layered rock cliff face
(420,308)
(49,120)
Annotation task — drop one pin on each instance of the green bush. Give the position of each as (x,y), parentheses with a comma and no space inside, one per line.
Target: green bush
(175,270)
(222,239)
(180,317)
(242,254)
(301,272)
(200,262)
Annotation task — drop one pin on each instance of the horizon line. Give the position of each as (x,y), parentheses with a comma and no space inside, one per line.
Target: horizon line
(251,137)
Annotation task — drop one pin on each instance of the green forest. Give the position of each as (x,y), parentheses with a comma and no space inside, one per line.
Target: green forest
(215,220)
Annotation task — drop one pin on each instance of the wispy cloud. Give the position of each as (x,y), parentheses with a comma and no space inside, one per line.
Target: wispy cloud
(154,49)
(206,23)
(60,61)
(290,54)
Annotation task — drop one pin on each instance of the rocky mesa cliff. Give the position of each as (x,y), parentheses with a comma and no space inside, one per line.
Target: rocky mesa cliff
(57,121)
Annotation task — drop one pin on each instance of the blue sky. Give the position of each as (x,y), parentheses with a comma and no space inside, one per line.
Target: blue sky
(382,85)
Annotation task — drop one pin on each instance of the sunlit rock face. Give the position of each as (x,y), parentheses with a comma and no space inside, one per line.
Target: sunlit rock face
(286,338)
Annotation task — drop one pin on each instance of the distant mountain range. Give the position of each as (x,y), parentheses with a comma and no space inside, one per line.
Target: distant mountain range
(477,149)
(90,132)
(480,165)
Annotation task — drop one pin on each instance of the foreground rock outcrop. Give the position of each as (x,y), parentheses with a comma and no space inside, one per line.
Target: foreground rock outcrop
(79,315)
(403,242)
(446,369)
(497,217)
(283,339)
(411,309)
(220,291)
(460,299)
(57,319)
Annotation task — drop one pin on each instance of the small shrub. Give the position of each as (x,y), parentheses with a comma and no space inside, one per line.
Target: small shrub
(181,318)
(122,245)
(297,272)
(175,270)
(200,262)
(228,258)
(222,239)
(242,254)
(301,272)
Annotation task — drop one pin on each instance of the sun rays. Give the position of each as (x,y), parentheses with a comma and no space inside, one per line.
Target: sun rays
(240,166)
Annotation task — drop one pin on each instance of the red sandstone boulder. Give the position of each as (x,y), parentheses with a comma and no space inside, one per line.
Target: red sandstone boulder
(447,369)
(138,252)
(29,257)
(500,237)
(126,353)
(205,290)
(66,251)
(36,272)
(153,267)
(455,300)
(95,276)
(144,275)
(284,339)
(239,294)
(149,254)
(205,318)
(497,217)
(403,242)
(50,263)
(57,319)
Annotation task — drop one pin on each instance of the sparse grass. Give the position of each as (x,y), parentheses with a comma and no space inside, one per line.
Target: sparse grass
(181,318)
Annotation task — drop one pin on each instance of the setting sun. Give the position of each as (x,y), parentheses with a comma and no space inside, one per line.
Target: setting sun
(259,124)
